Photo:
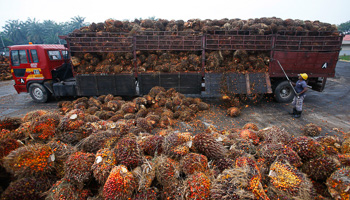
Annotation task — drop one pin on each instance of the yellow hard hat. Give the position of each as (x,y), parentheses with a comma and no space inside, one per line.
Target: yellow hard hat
(304,76)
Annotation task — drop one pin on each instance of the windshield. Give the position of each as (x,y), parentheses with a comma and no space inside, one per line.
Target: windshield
(54,55)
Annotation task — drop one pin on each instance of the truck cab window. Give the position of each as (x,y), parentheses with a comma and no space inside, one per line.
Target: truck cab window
(34,56)
(15,58)
(23,56)
(54,55)
(65,54)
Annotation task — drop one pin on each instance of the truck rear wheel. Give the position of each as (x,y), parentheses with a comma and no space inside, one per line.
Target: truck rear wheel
(284,92)
(38,93)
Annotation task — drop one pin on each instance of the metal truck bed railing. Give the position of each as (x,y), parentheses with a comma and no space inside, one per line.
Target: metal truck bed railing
(195,41)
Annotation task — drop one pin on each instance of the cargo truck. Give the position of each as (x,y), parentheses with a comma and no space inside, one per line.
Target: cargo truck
(46,70)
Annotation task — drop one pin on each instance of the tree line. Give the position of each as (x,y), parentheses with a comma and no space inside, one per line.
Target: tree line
(16,32)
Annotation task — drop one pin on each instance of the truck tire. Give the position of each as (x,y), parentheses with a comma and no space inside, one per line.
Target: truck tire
(39,93)
(284,92)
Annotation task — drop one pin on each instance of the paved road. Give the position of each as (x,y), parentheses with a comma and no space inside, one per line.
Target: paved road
(329,109)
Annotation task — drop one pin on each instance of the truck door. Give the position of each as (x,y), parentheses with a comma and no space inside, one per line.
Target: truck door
(19,62)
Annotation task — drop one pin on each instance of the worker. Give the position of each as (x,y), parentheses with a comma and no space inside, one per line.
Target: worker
(300,88)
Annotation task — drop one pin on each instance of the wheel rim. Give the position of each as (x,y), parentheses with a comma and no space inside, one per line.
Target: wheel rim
(38,93)
(285,92)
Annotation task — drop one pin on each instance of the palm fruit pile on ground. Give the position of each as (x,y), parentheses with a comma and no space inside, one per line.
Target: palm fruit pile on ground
(5,70)
(110,148)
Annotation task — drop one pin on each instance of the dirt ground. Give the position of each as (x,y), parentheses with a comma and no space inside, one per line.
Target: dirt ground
(329,109)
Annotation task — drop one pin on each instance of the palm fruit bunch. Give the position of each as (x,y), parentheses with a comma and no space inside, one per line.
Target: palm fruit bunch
(345,147)
(307,148)
(274,134)
(233,112)
(331,144)
(244,145)
(197,186)
(44,126)
(270,152)
(223,163)
(251,126)
(312,130)
(120,184)
(104,162)
(177,144)
(152,145)
(144,175)
(78,168)
(65,190)
(7,145)
(95,141)
(70,128)
(206,144)
(339,183)
(232,183)
(167,171)
(37,160)
(30,116)
(10,123)
(149,194)
(344,159)
(27,188)
(194,162)
(250,165)
(128,153)
(321,167)
(288,181)
(249,135)
(61,151)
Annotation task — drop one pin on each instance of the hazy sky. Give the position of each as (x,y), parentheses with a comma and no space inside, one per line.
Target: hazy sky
(331,11)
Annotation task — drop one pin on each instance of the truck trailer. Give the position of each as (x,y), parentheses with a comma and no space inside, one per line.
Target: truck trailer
(46,70)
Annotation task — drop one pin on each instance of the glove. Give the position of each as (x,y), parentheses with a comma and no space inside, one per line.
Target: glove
(298,94)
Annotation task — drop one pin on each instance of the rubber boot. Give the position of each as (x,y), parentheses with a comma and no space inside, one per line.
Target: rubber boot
(298,114)
(294,112)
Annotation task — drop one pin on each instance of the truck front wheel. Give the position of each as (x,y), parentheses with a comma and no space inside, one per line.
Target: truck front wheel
(38,93)
(284,92)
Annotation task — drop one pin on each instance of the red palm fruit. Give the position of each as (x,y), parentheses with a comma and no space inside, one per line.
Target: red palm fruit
(207,145)
(251,126)
(270,152)
(65,190)
(194,162)
(29,160)
(44,127)
(78,168)
(249,135)
(312,130)
(8,145)
(27,188)
(152,145)
(120,184)
(104,162)
(320,168)
(167,171)
(233,112)
(338,183)
(307,148)
(197,186)
(128,153)
(33,115)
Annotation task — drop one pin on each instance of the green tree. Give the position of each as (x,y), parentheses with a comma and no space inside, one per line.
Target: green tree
(344,27)
(15,31)
(35,31)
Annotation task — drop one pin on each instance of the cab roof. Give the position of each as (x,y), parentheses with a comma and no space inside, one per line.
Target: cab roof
(41,46)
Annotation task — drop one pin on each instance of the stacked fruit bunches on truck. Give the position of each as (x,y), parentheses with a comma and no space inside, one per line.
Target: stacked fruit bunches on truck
(154,147)
(168,61)
(5,71)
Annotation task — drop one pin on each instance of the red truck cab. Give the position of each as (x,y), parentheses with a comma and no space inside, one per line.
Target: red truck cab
(32,66)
